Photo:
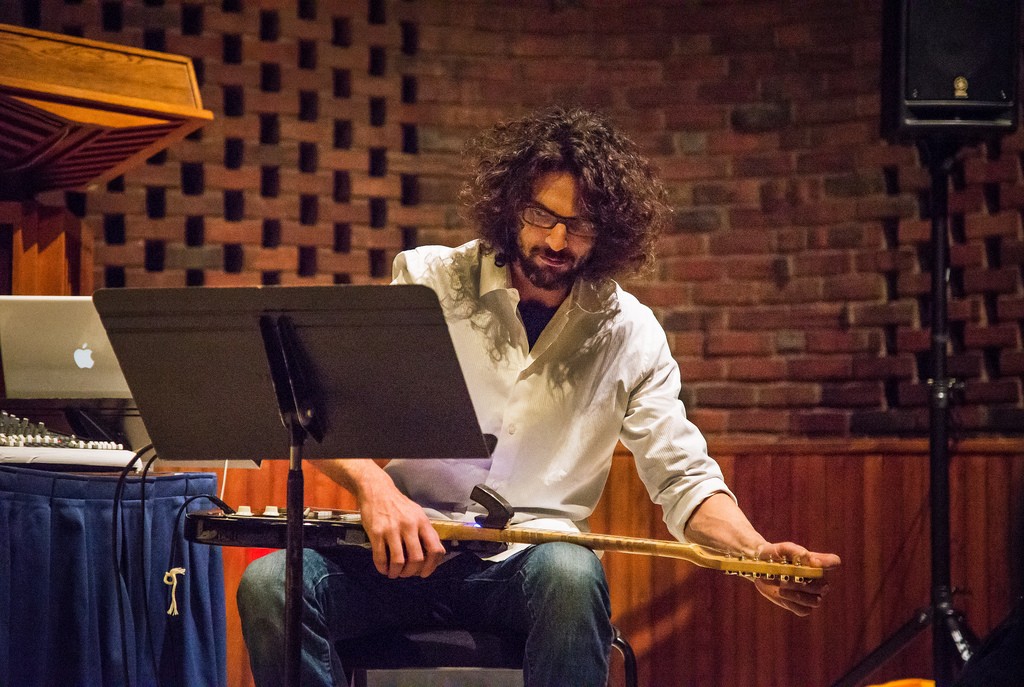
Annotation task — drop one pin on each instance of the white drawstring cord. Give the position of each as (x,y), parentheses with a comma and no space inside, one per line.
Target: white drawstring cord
(171,579)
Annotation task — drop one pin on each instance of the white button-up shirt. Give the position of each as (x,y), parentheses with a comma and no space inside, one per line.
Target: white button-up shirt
(600,372)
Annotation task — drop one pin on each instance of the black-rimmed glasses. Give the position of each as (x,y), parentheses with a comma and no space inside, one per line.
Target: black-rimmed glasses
(545,219)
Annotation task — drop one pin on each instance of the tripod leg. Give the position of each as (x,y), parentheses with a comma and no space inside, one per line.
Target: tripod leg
(887,649)
(953,643)
(964,639)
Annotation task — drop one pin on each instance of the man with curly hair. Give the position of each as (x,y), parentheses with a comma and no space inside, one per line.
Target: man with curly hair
(561,364)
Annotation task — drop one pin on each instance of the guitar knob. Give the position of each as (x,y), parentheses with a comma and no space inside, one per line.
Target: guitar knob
(244,511)
(272,511)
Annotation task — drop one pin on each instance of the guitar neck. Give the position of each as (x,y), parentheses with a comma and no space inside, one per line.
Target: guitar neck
(693,553)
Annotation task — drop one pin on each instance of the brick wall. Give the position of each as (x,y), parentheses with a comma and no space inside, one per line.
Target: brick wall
(794,283)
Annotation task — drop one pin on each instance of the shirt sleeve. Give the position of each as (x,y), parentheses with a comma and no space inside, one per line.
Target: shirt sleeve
(670,452)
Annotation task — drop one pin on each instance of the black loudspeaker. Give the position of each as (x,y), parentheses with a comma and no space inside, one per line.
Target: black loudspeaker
(950,67)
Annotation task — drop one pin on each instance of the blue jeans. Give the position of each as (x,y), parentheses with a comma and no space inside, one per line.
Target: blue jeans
(555,594)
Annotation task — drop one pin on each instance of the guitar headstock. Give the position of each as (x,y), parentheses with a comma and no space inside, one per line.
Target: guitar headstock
(758,569)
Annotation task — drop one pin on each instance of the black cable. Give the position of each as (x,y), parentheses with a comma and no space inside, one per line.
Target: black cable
(174,542)
(145,569)
(88,427)
(172,558)
(115,518)
(114,521)
(228,510)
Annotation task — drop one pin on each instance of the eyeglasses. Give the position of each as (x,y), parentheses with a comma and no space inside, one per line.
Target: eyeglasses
(545,219)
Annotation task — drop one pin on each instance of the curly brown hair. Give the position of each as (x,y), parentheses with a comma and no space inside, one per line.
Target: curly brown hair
(617,185)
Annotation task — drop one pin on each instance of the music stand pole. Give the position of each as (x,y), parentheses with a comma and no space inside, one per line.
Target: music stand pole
(297,400)
(293,561)
(951,637)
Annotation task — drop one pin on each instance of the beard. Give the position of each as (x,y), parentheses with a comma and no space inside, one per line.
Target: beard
(537,267)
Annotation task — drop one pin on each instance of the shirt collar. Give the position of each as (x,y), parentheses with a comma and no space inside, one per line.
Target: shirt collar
(592,296)
(492,277)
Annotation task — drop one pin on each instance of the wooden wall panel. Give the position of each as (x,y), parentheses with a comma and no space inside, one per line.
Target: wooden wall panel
(868,502)
(865,499)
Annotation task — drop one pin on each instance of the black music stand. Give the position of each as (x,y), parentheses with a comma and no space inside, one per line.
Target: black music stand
(250,373)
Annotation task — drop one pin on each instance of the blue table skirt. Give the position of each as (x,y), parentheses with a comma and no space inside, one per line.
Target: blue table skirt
(59,622)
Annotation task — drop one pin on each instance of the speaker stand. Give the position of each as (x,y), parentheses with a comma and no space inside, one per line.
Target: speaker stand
(952,639)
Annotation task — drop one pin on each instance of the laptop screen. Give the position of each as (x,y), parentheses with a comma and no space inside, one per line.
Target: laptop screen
(56,347)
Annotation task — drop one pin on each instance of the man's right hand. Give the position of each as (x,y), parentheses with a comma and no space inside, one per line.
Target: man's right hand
(403,542)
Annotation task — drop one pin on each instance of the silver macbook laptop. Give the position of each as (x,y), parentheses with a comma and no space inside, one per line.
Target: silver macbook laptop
(56,347)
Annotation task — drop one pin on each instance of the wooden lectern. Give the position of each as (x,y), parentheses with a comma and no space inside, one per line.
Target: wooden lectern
(76,113)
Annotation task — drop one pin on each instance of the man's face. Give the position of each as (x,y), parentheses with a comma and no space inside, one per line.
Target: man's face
(551,253)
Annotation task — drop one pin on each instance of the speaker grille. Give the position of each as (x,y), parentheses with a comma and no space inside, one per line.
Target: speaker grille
(949,67)
(962,52)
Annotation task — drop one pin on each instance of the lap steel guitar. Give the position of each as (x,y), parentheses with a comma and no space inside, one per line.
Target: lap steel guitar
(330,528)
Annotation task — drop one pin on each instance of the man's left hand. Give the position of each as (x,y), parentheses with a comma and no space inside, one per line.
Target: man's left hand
(798,597)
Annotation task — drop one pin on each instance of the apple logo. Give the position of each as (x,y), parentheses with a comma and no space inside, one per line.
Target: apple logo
(83,357)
